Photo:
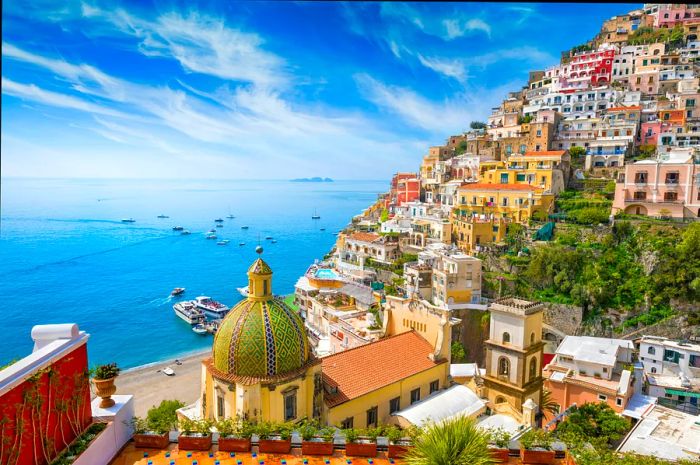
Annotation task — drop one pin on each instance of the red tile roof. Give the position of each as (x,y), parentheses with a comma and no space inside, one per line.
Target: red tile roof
(546,153)
(364,237)
(498,187)
(364,369)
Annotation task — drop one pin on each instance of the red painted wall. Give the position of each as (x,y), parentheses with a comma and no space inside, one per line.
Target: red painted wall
(45,413)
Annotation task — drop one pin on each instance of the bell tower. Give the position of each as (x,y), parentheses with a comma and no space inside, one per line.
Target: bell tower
(514,353)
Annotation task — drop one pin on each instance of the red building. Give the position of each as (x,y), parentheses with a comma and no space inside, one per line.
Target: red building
(405,187)
(584,70)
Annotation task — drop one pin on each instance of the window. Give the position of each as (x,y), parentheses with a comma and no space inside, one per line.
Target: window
(670,196)
(602,397)
(640,178)
(503,367)
(290,406)
(395,405)
(533,368)
(220,408)
(672,177)
(372,417)
(265,287)
(532,338)
(415,395)
(653,369)
(435,386)
(618,401)
(506,338)
(347,423)
(651,350)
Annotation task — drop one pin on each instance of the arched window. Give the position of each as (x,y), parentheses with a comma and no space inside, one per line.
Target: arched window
(503,366)
(651,350)
(500,399)
(506,337)
(653,369)
(533,368)
(532,338)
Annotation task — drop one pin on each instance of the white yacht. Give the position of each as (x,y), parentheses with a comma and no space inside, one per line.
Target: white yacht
(200,329)
(189,312)
(243,291)
(211,307)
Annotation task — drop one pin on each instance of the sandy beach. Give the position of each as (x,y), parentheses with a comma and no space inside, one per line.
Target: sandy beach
(150,386)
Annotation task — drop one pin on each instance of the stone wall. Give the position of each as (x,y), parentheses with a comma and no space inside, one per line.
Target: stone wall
(565,318)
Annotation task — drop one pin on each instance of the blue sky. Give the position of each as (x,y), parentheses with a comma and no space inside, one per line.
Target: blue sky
(261,89)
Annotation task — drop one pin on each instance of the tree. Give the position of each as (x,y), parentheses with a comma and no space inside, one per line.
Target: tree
(384,216)
(577,152)
(477,125)
(548,404)
(457,352)
(461,147)
(455,441)
(597,424)
(646,151)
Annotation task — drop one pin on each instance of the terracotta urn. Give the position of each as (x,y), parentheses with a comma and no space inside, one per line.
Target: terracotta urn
(105,388)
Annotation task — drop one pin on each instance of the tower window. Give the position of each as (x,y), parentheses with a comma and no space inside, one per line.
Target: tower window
(290,406)
(503,367)
(506,337)
(265,287)
(533,368)
(532,338)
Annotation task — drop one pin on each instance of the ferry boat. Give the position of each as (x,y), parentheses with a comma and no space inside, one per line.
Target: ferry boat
(163,216)
(219,220)
(211,307)
(128,220)
(189,312)
(200,329)
(177,291)
(178,228)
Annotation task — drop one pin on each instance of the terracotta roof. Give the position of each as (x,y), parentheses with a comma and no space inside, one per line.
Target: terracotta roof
(364,237)
(498,187)
(364,369)
(635,107)
(545,153)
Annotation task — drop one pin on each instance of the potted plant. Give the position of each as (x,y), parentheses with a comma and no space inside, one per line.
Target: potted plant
(194,434)
(274,438)
(499,440)
(399,441)
(149,435)
(315,440)
(535,448)
(103,379)
(235,434)
(358,445)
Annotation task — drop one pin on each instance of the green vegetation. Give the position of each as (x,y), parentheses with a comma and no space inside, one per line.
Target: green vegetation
(164,417)
(102,372)
(79,445)
(461,147)
(645,151)
(289,300)
(457,352)
(477,125)
(525,119)
(455,441)
(396,266)
(650,35)
(594,457)
(536,439)
(594,424)
(583,207)
(577,152)
(384,215)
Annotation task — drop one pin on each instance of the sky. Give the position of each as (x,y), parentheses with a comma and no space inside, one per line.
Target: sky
(261,90)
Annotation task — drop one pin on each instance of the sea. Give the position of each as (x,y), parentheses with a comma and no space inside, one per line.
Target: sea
(66,256)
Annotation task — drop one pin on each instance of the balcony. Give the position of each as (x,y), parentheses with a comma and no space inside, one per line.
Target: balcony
(605,152)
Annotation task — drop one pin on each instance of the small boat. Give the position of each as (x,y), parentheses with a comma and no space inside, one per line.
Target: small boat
(243,291)
(241,243)
(230,217)
(274,241)
(244,227)
(177,291)
(219,225)
(268,238)
(322,229)
(315,216)
(219,220)
(212,231)
(211,236)
(185,233)
(168,371)
(128,220)
(224,242)
(178,228)
(163,216)
(200,329)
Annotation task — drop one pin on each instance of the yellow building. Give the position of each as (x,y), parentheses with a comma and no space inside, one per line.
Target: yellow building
(470,231)
(547,170)
(517,202)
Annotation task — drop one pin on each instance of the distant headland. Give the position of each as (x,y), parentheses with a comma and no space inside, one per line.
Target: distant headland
(316,179)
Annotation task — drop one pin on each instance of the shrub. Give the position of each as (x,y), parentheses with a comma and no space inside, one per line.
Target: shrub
(164,417)
(102,372)
(351,435)
(500,438)
(536,439)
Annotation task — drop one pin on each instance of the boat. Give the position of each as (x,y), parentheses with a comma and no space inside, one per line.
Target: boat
(315,216)
(219,225)
(168,371)
(185,233)
(211,307)
(244,227)
(178,228)
(219,220)
(200,329)
(211,236)
(212,231)
(128,220)
(163,216)
(189,312)
(243,291)
(268,238)
(241,243)
(177,291)
(230,217)
(323,229)
(224,242)
(274,241)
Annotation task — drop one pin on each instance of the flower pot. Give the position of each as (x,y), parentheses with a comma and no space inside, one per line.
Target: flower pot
(275,446)
(542,457)
(397,451)
(194,442)
(152,440)
(316,448)
(234,444)
(361,449)
(499,455)
(105,389)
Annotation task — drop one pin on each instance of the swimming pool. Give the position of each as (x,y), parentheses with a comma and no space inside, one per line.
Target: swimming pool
(325,273)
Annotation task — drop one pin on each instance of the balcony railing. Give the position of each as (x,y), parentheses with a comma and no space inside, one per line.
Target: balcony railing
(605,152)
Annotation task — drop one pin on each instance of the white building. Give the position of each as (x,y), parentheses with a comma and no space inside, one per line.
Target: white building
(594,356)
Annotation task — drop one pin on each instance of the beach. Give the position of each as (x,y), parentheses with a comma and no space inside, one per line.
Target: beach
(150,386)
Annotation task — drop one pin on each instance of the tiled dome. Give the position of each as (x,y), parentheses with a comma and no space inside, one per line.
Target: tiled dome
(261,337)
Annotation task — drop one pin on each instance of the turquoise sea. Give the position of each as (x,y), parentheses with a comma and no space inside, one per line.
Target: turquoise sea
(65,256)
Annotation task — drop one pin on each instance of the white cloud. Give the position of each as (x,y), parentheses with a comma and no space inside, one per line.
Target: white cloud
(451,68)
(455,28)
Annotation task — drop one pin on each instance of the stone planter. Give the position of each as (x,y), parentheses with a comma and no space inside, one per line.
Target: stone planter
(541,457)
(499,455)
(316,448)
(275,446)
(194,442)
(361,449)
(152,440)
(234,444)
(397,451)
(105,388)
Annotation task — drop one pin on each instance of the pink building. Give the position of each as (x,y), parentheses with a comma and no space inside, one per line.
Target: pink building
(650,131)
(670,14)
(666,186)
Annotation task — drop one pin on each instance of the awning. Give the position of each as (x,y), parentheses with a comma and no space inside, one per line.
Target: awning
(676,392)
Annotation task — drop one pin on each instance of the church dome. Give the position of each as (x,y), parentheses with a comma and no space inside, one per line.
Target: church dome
(261,337)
